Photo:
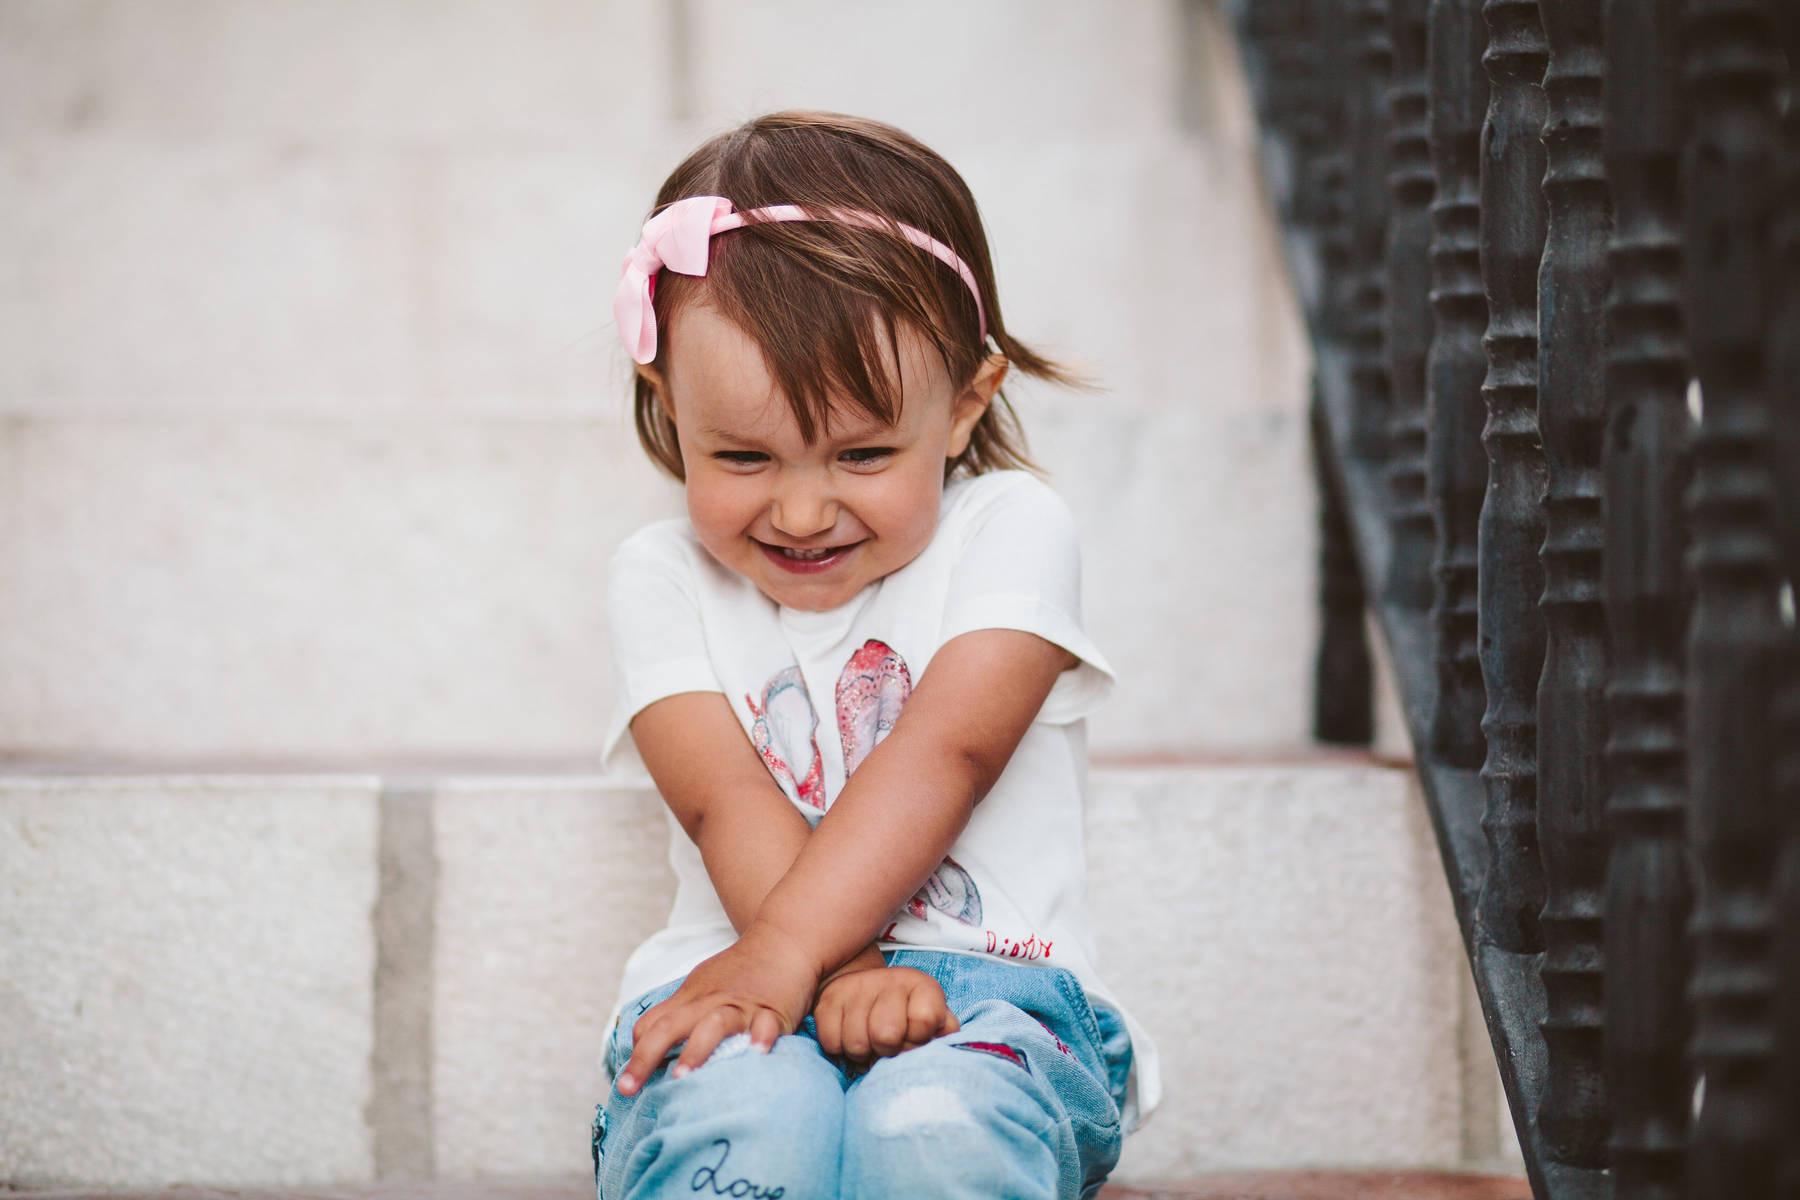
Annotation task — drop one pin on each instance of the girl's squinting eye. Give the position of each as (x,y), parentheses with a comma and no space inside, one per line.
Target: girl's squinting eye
(867,456)
(740,458)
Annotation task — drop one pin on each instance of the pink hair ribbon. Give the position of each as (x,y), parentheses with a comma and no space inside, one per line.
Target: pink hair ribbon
(678,238)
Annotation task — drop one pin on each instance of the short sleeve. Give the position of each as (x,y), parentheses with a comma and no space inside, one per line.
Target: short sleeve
(653,612)
(1019,567)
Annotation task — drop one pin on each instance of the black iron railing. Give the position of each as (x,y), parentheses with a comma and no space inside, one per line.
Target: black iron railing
(1549,254)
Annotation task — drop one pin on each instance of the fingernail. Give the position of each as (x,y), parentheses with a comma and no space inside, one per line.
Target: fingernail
(680,1070)
(626,1084)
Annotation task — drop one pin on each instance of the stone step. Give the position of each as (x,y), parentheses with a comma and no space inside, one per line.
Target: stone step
(574,72)
(410,973)
(297,589)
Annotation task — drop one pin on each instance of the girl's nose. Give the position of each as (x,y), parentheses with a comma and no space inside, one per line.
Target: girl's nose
(803,510)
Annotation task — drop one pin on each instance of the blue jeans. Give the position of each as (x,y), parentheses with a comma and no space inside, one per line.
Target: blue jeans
(1021,1103)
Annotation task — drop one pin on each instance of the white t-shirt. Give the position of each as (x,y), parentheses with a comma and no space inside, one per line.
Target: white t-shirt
(1004,556)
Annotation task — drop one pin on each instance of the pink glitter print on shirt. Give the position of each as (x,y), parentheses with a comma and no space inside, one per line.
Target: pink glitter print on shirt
(873,687)
(783,734)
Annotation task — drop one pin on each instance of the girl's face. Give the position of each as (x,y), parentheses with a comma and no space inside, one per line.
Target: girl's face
(810,525)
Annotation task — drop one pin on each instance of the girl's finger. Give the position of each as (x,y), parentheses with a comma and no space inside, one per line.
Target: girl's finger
(765,1027)
(651,1042)
(854,1034)
(828,1019)
(888,1022)
(711,1029)
(925,1014)
(945,1023)
(657,1032)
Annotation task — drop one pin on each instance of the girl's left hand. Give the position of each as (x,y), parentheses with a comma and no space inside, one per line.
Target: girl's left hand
(762,985)
(881,1011)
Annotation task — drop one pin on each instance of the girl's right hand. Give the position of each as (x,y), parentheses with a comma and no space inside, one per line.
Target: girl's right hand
(762,985)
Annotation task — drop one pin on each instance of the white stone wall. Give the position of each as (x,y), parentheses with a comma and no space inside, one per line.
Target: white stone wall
(314,445)
(315,427)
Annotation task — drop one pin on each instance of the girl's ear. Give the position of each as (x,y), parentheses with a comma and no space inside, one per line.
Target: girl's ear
(659,386)
(972,405)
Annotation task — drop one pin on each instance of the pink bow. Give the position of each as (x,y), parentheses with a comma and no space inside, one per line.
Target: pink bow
(678,238)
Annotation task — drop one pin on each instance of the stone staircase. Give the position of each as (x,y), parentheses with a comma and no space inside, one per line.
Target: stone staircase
(409,976)
(313,450)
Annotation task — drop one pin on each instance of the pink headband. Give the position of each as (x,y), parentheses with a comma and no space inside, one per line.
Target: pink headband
(678,238)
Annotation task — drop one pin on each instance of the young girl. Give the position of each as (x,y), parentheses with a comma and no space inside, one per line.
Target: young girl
(878,970)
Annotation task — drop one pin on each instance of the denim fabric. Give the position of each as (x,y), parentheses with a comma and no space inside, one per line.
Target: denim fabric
(1022,1102)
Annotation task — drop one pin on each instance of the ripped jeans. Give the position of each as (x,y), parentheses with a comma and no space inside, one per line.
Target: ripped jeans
(1023,1102)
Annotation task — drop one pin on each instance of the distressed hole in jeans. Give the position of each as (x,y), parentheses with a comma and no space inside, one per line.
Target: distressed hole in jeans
(921,1108)
(597,1132)
(735,1046)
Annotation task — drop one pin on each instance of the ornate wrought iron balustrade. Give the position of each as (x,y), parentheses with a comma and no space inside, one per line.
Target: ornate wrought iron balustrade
(1553,288)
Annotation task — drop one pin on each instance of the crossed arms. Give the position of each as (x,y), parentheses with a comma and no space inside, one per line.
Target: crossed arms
(807,904)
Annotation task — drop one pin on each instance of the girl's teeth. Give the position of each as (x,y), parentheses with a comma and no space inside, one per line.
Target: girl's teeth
(806,555)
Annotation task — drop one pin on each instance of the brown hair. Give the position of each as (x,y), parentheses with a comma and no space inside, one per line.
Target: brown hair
(822,299)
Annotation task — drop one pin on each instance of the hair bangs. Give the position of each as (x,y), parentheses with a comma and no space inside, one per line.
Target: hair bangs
(824,302)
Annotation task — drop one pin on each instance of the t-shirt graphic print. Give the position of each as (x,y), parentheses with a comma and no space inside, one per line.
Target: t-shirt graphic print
(871,691)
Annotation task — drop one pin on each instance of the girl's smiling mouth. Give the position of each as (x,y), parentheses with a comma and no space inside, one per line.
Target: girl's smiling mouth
(801,561)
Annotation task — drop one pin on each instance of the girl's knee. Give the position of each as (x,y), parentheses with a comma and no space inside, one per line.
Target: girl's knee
(928,1123)
(937,1087)
(745,1123)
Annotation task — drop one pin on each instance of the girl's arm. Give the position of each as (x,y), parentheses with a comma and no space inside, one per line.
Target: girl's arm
(894,822)
(747,831)
(714,781)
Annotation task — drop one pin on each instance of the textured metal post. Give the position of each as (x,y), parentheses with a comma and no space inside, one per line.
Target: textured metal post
(1784,370)
(1277,29)
(1647,888)
(1367,130)
(1330,171)
(1320,126)
(1299,56)
(1343,711)
(1511,527)
(1732,67)
(1278,35)
(1341,693)
(1456,466)
(1410,185)
(1572,284)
